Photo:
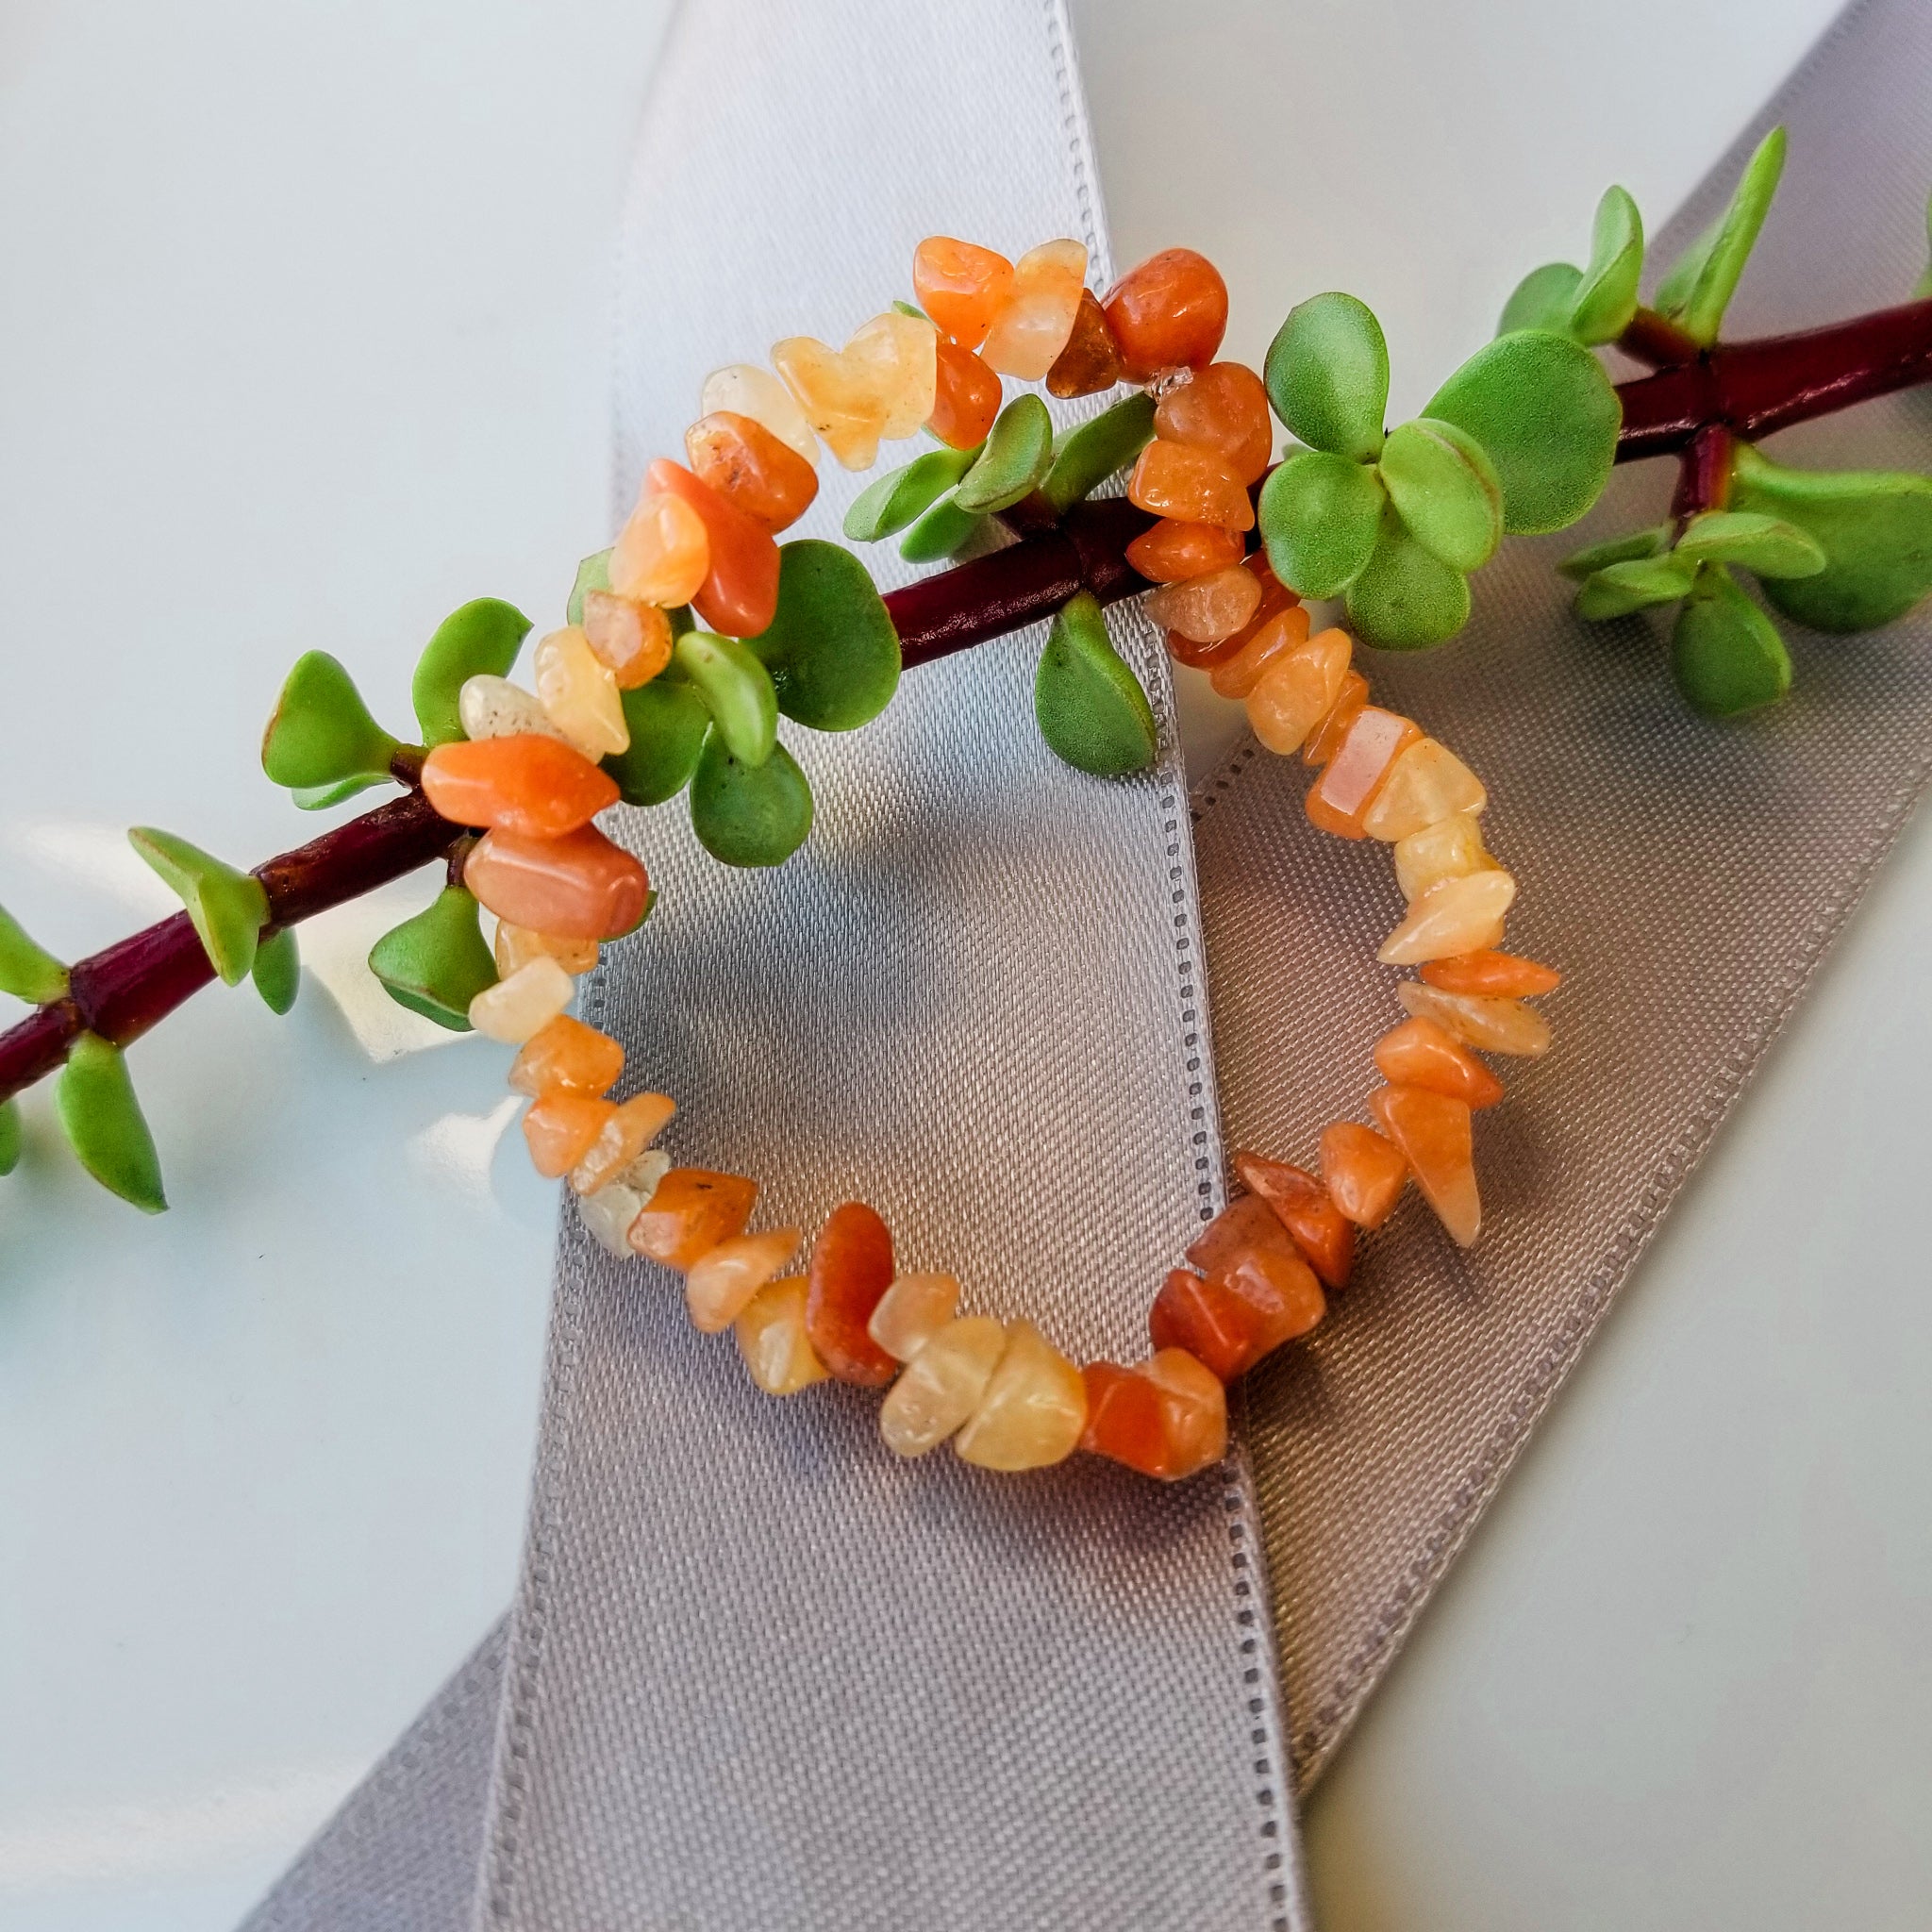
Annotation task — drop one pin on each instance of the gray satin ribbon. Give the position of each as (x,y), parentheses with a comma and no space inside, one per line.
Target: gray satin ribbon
(626,1796)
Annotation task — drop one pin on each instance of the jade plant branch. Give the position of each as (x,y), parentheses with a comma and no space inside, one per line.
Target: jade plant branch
(1694,404)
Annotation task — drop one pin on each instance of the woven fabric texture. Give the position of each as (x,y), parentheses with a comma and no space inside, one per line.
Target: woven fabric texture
(1687,875)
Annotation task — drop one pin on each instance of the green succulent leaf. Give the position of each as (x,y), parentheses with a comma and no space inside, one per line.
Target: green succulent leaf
(1092,709)
(737,690)
(27,970)
(1605,298)
(1097,449)
(1768,547)
(1726,654)
(228,907)
(321,732)
(1327,376)
(1445,489)
(1699,287)
(436,962)
(1013,461)
(1319,518)
(944,530)
(746,816)
(10,1135)
(1595,557)
(904,495)
(1542,299)
(1541,407)
(481,638)
(1406,599)
(593,573)
(319,797)
(103,1125)
(278,969)
(831,649)
(668,720)
(1617,588)
(1874,525)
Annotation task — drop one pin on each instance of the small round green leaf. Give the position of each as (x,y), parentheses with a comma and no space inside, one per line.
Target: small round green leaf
(1541,407)
(1444,487)
(321,731)
(27,970)
(1098,448)
(103,1125)
(481,639)
(1327,374)
(436,962)
(1092,709)
(1699,287)
(737,690)
(944,530)
(831,650)
(1605,298)
(1014,461)
(1406,599)
(1726,655)
(9,1135)
(902,496)
(668,721)
(227,908)
(278,970)
(749,817)
(1634,584)
(1542,299)
(593,573)
(1767,546)
(1319,517)
(1595,557)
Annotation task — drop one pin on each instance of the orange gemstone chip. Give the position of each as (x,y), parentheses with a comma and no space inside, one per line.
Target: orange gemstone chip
(1169,311)
(851,1270)
(1341,797)
(751,468)
(961,286)
(1172,552)
(692,1210)
(1419,1053)
(739,596)
(578,886)
(966,398)
(568,1055)
(1364,1171)
(1320,1230)
(1166,1418)
(559,1127)
(631,641)
(1193,485)
(1492,975)
(1432,1131)
(539,787)
(1225,412)
(1089,362)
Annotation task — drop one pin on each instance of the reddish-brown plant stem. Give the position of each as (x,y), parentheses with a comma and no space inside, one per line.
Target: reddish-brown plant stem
(1704,474)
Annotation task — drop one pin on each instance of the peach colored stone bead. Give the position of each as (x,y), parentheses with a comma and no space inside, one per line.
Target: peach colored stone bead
(720,1285)
(1363,1170)
(772,1339)
(1286,631)
(1246,1249)
(838,397)
(1432,1131)
(1206,608)
(1419,1053)
(1033,1410)
(966,398)
(1497,976)
(525,1004)
(1172,551)
(1463,915)
(609,1214)
(739,596)
(1341,797)
(579,886)
(745,390)
(1168,312)
(622,1138)
(1172,480)
(1223,409)
(1449,849)
(528,784)
(662,554)
(1297,690)
(517,945)
(1427,783)
(1275,600)
(567,1054)
(1302,1204)
(631,641)
(1029,334)
(690,1213)
(762,474)
(1089,362)
(851,1270)
(1505,1026)
(1325,739)
(942,1385)
(490,706)
(901,353)
(560,1125)
(1167,1418)
(912,1312)
(579,693)
(961,286)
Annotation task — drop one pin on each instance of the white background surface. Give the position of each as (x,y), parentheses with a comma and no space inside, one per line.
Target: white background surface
(303,340)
